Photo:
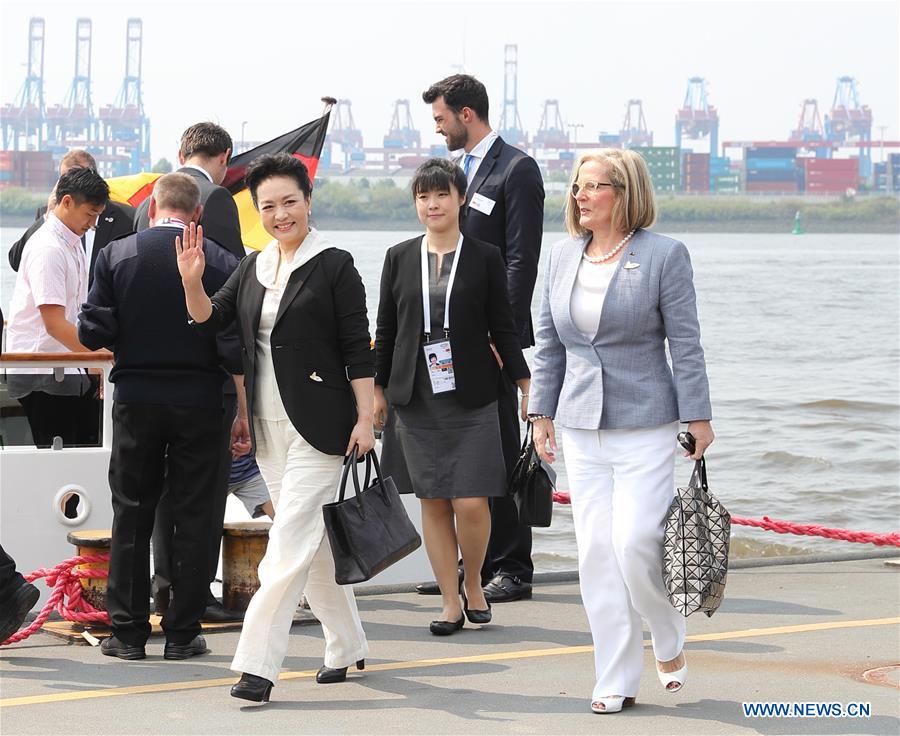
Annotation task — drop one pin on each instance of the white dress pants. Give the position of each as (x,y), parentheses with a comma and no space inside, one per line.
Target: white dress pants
(298,558)
(621,485)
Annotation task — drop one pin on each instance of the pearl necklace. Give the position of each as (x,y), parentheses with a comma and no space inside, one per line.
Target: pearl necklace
(604,258)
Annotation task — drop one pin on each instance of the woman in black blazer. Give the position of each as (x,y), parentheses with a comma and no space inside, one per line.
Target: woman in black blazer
(300,307)
(439,371)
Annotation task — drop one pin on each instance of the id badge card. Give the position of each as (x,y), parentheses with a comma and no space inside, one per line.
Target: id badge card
(439,360)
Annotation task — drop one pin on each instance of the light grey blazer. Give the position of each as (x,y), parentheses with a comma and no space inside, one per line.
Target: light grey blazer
(621,379)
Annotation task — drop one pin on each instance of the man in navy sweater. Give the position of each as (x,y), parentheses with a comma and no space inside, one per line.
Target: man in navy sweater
(167,413)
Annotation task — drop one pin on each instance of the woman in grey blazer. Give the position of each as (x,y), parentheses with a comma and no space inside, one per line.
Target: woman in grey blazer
(614,296)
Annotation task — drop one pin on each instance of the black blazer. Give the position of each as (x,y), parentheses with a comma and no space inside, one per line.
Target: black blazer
(219,217)
(321,331)
(479,312)
(512,179)
(116,221)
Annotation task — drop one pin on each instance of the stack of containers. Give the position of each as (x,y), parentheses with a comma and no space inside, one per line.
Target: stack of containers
(879,177)
(721,177)
(771,169)
(893,172)
(33,170)
(831,175)
(664,165)
(695,172)
(8,176)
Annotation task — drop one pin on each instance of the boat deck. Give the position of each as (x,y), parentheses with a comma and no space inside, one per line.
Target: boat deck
(827,631)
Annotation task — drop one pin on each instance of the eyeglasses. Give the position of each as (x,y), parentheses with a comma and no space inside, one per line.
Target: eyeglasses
(591,187)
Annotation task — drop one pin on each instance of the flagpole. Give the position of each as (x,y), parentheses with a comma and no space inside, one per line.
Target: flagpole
(329,103)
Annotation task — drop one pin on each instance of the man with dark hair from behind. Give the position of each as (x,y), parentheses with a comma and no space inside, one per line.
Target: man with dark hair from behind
(204,155)
(50,287)
(167,418)
(505,207)
(116,221)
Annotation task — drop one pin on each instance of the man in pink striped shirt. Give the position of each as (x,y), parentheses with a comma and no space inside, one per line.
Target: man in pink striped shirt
(50,288)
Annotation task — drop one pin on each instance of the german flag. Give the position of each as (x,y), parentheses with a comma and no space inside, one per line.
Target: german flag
(304,143)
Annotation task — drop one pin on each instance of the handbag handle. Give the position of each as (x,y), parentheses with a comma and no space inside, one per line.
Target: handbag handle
(529,433)
(351,469)
(698,477)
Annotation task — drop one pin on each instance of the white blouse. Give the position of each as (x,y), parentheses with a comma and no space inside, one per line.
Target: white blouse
(591,285)
(273,273)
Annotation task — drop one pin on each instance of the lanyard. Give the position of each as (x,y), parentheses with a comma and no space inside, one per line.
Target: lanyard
(426,297)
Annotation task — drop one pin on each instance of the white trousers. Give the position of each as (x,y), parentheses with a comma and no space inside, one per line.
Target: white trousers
(298,558)
(621,485)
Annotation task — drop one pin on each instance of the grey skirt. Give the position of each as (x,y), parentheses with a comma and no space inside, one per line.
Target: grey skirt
(437,448)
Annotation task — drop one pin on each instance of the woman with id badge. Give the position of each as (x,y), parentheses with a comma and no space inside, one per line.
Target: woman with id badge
(443,305)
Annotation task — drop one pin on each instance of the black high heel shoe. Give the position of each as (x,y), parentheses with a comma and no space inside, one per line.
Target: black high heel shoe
(476,617)
(252,687)
(445,628)
(327,675)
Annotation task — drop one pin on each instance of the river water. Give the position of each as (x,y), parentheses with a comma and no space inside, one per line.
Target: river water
(802,347)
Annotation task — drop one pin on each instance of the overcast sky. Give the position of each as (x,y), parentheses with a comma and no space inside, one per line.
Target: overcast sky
(268,63)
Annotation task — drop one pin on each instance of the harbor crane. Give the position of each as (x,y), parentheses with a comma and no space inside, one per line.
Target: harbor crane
(697,119)
(23,121)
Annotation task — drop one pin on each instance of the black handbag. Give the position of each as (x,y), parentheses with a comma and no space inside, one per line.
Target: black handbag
(695,550)
(370,531)
(531,485)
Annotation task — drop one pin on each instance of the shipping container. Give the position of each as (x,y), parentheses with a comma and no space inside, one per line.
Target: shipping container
(766,152)
(771,175)
(759,164)
(831,164)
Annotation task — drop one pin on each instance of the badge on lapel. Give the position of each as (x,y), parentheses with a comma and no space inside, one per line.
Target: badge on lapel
(315,377)
(631,264)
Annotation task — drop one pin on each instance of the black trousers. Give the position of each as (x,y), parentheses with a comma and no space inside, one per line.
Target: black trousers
(148,438)
(509,548)
(76,419)
(164,526)
(10,579)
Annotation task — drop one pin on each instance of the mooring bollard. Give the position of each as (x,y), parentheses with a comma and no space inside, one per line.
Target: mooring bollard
(243,546)
(92,542)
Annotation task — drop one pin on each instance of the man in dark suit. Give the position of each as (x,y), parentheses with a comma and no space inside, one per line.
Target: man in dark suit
(204,155)
(116,220)
(167,418)
(504,207)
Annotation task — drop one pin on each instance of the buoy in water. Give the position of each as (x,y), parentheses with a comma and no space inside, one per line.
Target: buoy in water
(798,225)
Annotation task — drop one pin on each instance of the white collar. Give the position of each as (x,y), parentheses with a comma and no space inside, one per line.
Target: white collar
(200,169)
(60,228)
(480,149)
(268,259)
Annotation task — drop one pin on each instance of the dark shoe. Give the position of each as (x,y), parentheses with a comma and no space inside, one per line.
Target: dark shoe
(445,628)
(252,687)
(476,617)
(193,648)
(113,647)
(216,613)
(432,588)
(505,588)
(15,609)
(327,675)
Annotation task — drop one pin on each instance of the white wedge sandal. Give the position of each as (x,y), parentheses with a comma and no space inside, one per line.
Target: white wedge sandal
(611,704)
(673,681)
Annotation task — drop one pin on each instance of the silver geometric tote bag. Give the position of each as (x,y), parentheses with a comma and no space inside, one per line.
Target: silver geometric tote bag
(695,551)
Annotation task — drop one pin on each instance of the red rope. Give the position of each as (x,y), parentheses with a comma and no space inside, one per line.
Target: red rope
(66,584)
(891,539)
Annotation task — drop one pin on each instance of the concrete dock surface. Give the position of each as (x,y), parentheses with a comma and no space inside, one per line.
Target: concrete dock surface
(826,632)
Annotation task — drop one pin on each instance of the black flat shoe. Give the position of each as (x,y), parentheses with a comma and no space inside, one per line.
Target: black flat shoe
(194,648)
(445,628)
(252,687)
(505,588)
(113,647)
(327,675)
(432,588)
(476,617)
